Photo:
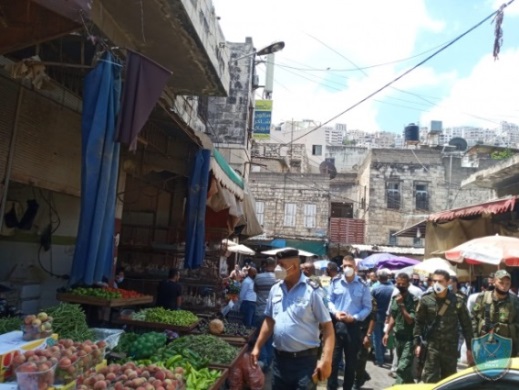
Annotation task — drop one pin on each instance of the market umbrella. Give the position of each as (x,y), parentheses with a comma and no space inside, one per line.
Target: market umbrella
(272,252)
(397,263)
(493,250)
(241,249)
(427,267)
(94,252)
(373,260)
(318,264)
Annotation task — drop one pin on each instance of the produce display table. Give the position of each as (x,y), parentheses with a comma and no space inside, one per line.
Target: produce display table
(221,381)
(155,325)
(231,338)
(241,352)
(94,301)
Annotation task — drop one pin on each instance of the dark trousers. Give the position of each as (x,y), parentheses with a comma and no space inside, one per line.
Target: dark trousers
(267,351)
(289,373)
(347,344)
(248,310)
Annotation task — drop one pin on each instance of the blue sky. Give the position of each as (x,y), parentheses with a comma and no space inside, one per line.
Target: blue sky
(317,76)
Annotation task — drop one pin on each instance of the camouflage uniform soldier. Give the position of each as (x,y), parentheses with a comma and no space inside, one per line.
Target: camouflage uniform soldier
(498,310)
(437,317)
(402,315)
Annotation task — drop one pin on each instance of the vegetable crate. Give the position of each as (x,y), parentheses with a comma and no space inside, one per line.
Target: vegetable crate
(234,316)
(241,352)
(221,381)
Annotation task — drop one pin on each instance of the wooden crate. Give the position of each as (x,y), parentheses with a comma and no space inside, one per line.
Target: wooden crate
(221,381)
(94,301)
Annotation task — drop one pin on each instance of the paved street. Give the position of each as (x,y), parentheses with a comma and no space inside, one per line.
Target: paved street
(379,379)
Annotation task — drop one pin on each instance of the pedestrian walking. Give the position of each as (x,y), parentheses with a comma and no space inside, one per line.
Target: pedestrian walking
(382,293)
(497,311)
(295,314)
(366,332)
(248,298)
(401,321)
(350,304)
(438,315)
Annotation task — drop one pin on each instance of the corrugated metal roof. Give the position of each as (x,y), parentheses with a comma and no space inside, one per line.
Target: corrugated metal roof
(493,207)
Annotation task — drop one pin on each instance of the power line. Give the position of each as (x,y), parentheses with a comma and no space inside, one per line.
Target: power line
(407,71)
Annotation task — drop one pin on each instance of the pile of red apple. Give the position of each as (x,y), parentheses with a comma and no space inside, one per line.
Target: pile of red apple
(130,376)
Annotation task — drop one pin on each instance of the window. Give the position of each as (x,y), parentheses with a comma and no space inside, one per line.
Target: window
(260,212)
(317,150)
(310,215)
(421,196)
(342,210)
(290,214)
(417,242)
(393,240)
(393,195)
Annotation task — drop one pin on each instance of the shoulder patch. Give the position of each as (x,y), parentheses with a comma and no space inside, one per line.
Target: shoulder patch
(312,283)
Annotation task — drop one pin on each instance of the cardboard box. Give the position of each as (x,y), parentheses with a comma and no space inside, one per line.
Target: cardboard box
(12,342)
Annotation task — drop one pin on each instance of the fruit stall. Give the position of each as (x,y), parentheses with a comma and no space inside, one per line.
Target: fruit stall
(56,349)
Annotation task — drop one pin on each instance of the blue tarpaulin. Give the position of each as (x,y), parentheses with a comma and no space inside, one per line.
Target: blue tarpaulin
(195,209)
(94,254)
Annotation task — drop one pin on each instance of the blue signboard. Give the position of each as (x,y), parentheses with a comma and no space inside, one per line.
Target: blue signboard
(262,120)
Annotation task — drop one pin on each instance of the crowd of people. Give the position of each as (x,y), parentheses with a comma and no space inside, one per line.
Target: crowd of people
(413,326)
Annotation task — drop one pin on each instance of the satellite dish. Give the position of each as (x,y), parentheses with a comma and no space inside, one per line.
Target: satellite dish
(328,168)
(459,143)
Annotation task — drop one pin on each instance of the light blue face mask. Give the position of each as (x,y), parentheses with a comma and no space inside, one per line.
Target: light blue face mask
(450,287)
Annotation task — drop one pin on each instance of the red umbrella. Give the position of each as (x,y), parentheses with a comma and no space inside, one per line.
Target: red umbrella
(488,250)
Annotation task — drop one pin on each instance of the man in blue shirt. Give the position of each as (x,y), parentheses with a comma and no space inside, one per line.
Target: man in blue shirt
(350,304)
(294,313)
(382,294)
(248,298)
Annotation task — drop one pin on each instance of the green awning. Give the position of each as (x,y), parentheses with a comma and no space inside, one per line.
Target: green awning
(227,176)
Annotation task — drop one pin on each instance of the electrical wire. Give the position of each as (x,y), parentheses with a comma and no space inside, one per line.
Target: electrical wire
(407,71)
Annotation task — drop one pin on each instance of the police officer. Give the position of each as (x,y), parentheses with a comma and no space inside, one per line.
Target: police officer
(498,311)
(401,320)
(295,310)
(350,304)
(438,315)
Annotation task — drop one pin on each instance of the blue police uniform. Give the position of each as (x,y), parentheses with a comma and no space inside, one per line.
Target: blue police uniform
(353,298)
(297,314)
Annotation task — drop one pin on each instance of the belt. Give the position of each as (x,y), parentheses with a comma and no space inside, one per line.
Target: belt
(306,352)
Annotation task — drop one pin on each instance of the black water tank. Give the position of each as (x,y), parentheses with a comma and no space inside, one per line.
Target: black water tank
(412,133)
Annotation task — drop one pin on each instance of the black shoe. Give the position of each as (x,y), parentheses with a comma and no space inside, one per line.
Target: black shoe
(367,378)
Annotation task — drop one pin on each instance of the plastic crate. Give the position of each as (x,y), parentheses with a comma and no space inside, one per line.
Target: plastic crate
(110,336)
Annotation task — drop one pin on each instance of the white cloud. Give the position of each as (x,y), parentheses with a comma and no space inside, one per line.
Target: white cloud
(336,33)
(484,98)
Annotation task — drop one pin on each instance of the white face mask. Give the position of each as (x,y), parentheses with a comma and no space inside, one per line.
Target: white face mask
(348,271)
(438,288)
(280,273)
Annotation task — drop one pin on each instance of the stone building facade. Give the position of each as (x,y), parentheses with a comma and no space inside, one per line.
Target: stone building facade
(397,188)
(290,205)
(229,119)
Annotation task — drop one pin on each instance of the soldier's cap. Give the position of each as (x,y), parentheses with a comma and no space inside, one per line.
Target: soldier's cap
(288,254)
(502,274)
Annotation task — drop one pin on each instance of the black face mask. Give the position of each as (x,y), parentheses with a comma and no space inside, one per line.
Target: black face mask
(491,288)
(402,290)
(416,282)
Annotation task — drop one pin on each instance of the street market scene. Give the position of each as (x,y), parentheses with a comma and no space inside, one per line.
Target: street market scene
(165,226)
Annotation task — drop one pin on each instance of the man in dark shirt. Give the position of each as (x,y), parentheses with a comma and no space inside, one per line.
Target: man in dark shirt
(169,292)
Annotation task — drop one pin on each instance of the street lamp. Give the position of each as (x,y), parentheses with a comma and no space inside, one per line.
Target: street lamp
(273,48)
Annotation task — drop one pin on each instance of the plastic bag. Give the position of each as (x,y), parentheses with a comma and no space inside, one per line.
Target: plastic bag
(236,380)
(253,375)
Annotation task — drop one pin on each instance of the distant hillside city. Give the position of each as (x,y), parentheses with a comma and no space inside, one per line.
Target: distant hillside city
(504,135)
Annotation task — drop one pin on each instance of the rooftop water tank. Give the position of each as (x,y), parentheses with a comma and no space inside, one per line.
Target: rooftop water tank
(411,133)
